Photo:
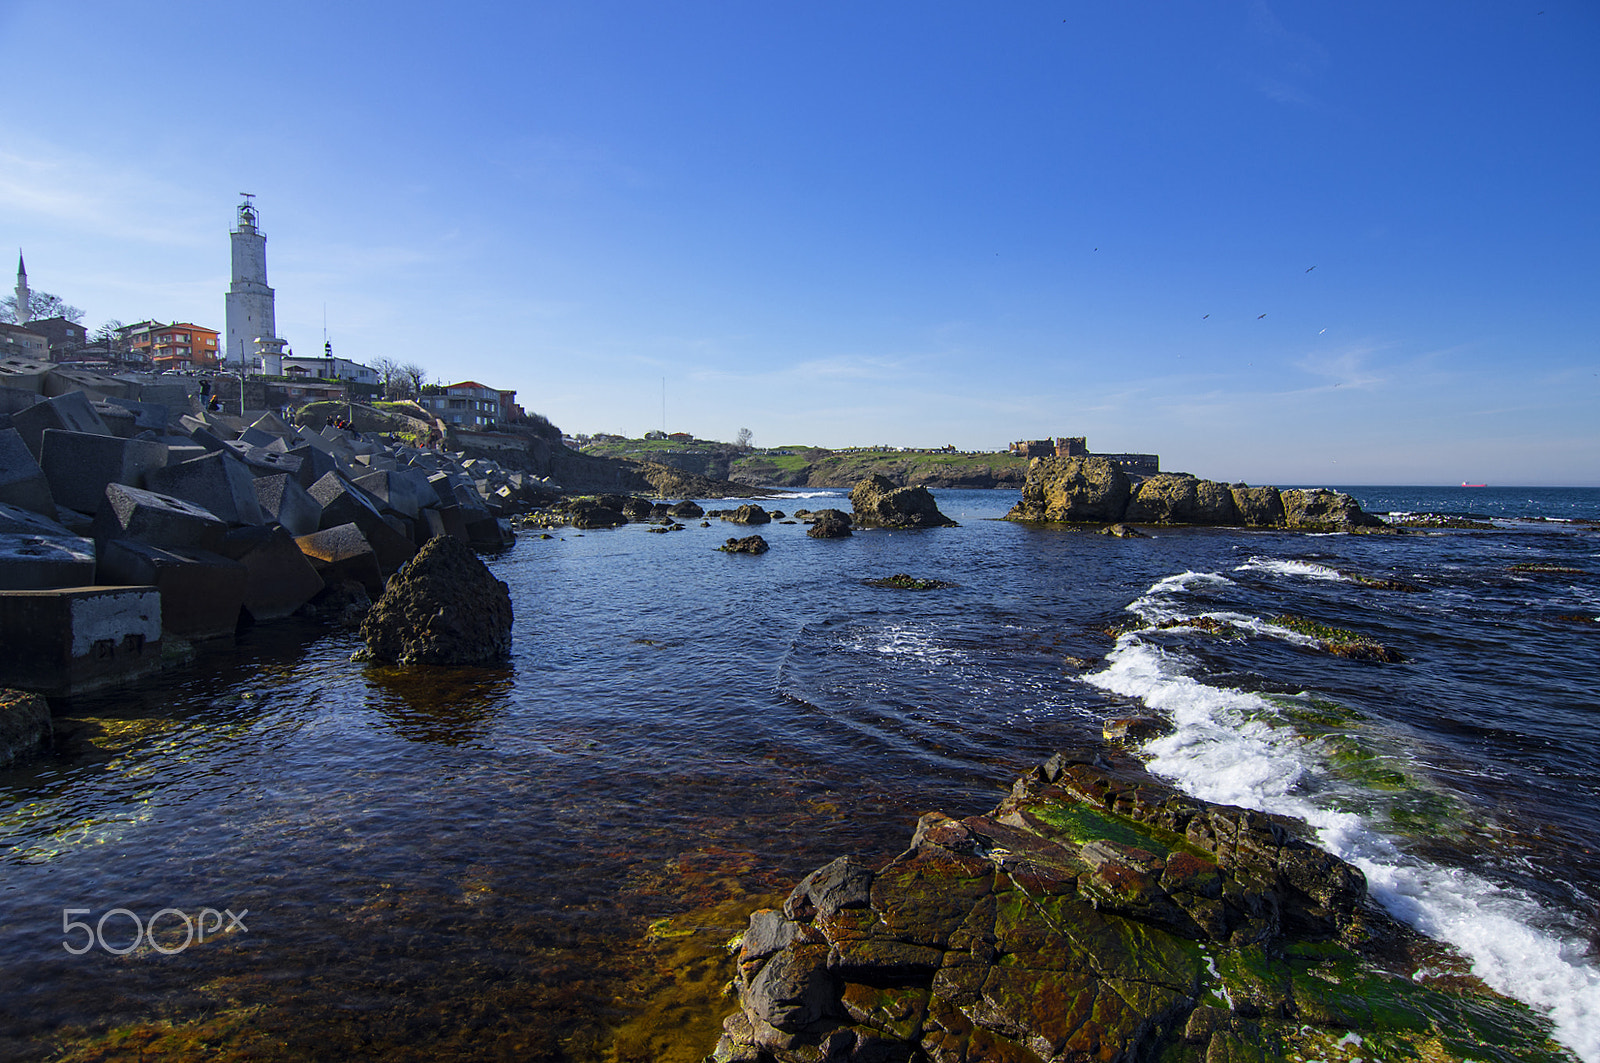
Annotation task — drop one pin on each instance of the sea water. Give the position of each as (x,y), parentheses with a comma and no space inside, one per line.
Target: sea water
(473,863)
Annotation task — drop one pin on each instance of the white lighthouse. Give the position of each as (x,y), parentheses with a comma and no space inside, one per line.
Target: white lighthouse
(250,313)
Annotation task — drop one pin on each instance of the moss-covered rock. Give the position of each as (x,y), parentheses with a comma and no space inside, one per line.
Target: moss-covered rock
(1097,914)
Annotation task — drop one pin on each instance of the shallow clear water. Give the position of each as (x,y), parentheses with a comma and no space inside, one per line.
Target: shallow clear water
(467,862)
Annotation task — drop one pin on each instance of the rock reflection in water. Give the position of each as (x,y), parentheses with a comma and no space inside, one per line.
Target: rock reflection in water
(440,704)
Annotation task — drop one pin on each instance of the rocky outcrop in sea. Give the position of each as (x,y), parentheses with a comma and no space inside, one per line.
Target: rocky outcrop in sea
(1097,914)
(878,503)
(443,607)
(1097,490)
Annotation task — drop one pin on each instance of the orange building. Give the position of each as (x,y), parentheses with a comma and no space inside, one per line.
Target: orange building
(180,345)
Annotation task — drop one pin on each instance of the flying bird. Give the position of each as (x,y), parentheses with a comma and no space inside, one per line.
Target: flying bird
(1310,268)
(1260,316)
(1204,316)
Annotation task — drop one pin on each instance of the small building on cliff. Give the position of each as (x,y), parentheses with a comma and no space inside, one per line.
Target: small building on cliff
(1078,447)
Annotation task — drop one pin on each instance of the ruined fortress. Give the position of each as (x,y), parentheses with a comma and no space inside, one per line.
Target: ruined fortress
(1078,447)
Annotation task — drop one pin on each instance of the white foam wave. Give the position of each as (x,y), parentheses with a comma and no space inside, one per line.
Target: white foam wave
(1225,749)
(1281,567)
(811,494)
(1156,604)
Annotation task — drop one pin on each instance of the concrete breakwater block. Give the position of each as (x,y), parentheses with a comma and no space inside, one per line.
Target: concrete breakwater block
(66,413)
(34,562)
(283,499)
(280,579)
(264,460)
(24,724)
(217,482)
(62,380)
(22,481)
(395,492)
(80,464)
(201,592)
(343,503)
(147,416)
(446,520)
(23,374)
(28,522)
(68,640)
(343,553)
(160,520)
(314,464)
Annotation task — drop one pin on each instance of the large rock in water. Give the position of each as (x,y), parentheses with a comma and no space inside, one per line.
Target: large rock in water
(1320,509)
(442,607)
(1073,489)
(1097,914)
(878,503)
(1178,498)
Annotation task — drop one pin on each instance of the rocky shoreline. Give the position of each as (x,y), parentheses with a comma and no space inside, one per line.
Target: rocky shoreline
(1096,913)
(1096,490)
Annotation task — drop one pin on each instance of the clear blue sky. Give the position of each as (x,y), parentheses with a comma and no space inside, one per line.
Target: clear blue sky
(913,223)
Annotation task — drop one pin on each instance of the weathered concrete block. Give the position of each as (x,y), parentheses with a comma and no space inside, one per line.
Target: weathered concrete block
(343,553)
(446,520)
(494,532)
(314,464)
(173,394)
(22,481)
(23,374)
(14,399)
(62,380)
(80,464)
(395,493)
(201,592)
(148,416)
(283,499)
(341,501)
(218,482)
(261,461)
(24,724)
(33,562)
(160,520)
(280,577)
(118,421)
(67,413)
(28,522)
(68,640)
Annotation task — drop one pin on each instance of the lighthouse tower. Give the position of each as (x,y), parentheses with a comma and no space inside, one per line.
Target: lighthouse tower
(23,295)
(250,313)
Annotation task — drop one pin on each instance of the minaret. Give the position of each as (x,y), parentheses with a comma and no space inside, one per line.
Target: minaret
(250,313)
(23,314)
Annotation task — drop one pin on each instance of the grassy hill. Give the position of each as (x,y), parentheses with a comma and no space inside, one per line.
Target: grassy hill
(806,466)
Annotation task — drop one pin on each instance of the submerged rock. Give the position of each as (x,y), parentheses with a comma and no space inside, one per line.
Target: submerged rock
(1097,914)
(829,524)
(878,503)
(24,724)
(443,607)
(750,544)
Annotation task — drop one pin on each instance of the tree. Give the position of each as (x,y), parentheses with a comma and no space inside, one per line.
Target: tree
(743,439)
(414,376)
(40,306)
(392,375)
(106,334)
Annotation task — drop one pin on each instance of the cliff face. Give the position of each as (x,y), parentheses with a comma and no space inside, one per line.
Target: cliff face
(1096,490)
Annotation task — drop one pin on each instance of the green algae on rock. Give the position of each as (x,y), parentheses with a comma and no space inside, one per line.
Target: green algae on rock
(1097,914)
